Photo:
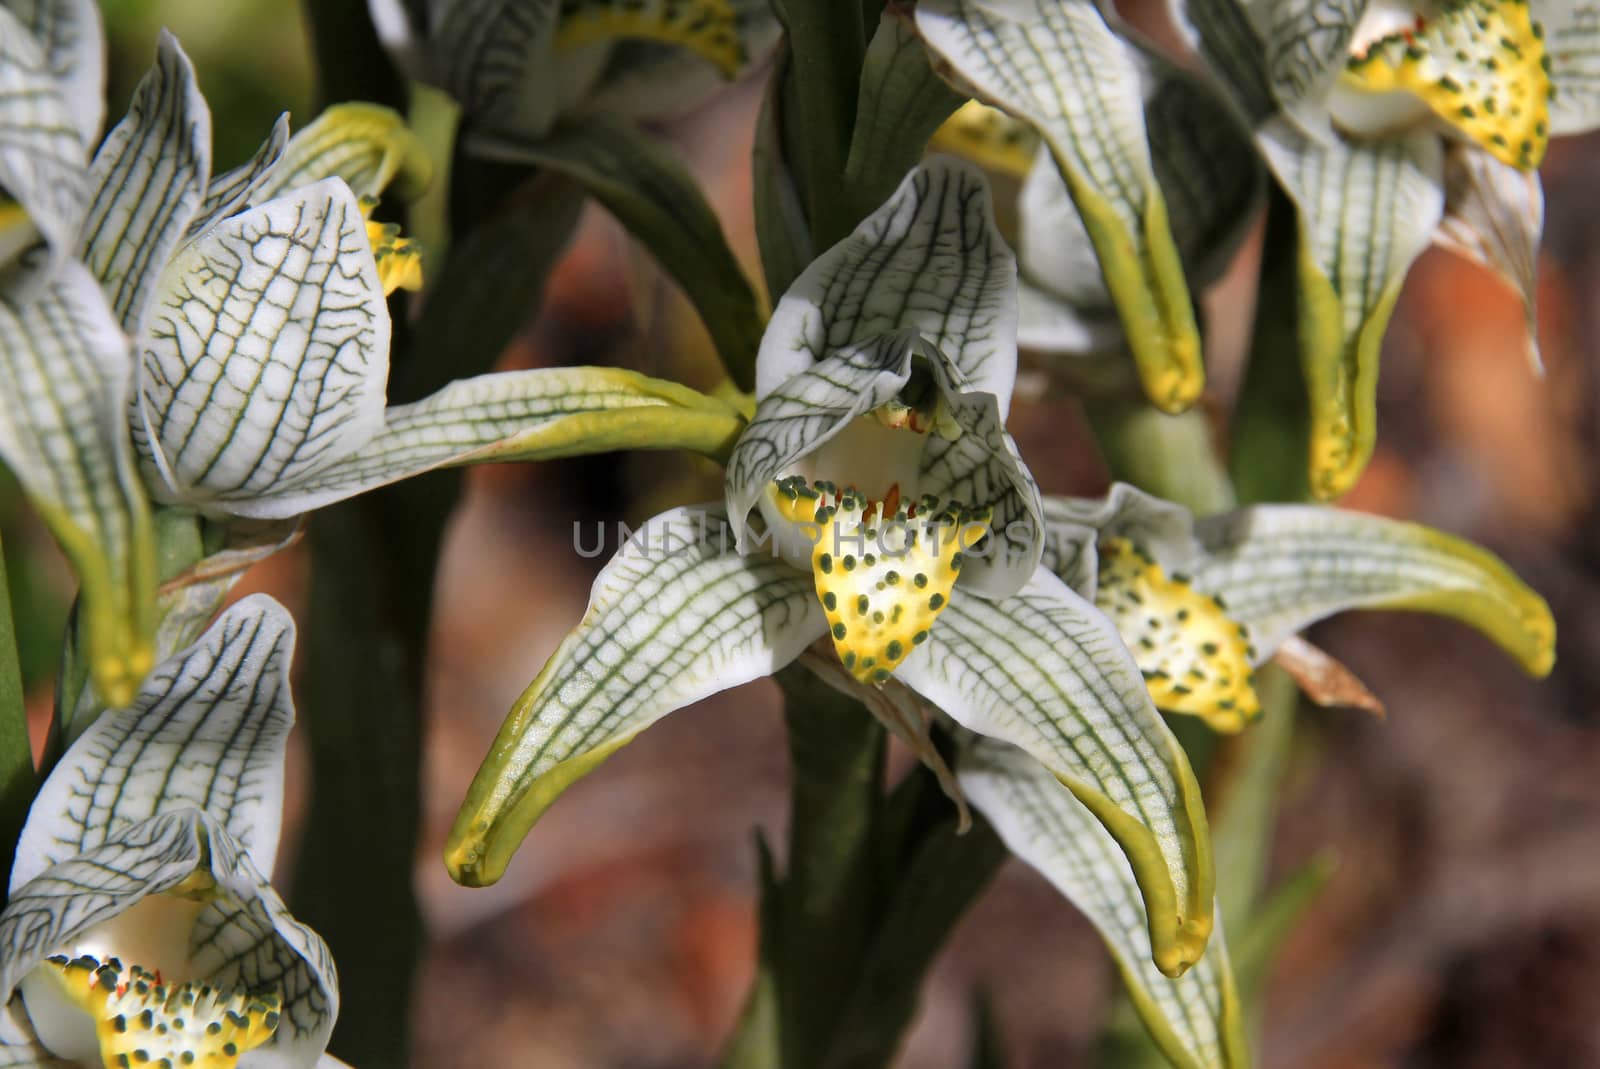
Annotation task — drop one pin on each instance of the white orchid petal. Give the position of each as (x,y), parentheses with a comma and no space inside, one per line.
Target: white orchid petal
(74,43)
(19,1043)
(229,193)
(1045,671)
(1197,1019)
(677,615)
(930,260)
(148,180)
(207,731)
(1572,40)
(267,352)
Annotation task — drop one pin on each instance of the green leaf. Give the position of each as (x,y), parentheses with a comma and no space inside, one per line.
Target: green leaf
(43,154)
(929,260)
(1572,41)
(1195,1019)
(514,416)
(902,102)
(651,194)
(1493,216)
(367,145)
(675,616)
(1044,671)
(64,434)
(1059,66)
(267,351)
(1366,212)
(148,180)
(207,731)
(1281,567)
(782,229)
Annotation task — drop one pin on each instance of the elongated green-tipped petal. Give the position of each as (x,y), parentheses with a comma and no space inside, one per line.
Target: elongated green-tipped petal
(64,434)
(1572,41)
(207,731)
(148,180)
(1366,212)
(1493,215)
(43,153)
(1044,671)
(676,615)
(367,145)
(267,351)
(649,191)
(1062,68)
(929,260)
(1280,567)
(513,416)
(1196,1019)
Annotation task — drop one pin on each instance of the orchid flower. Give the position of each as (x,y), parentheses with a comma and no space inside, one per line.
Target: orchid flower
(886,371)
(222,346)
(1388,124)
(140,928)
(519,67)
(1202,603)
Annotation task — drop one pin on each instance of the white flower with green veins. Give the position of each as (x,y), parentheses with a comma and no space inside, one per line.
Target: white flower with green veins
(1391,125)
(222,346)
(52,83)
(886,371)
(140,929)
(517,67)
(1202,603)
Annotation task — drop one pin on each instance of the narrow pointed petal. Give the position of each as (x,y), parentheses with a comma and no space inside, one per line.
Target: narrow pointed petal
(148,181)
(677,615)
(650,192)
(513,416)
(207,731)
(1494,215)
(1062,68)
(1045,671)
(228,193)
(267,352)
(797,416)
(1197,1019)
(43,154)
(73,40)
(367,145)
(1366,212)
(64,434)
(19,1047)
(1281,567)
(930,260)
(1572,38)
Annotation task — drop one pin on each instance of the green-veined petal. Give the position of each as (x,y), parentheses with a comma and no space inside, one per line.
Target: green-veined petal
(74,44)
(1062,68)
(1196,1019)
(43,155)
(1366,212)
(1572,41)
(1045,671)
(367,145)
(148,181)
(513,416)
(267,351)
(230,192)
(1281,567)
(64,434)
(929,260)
(495,58)
(676,615)
(207,731)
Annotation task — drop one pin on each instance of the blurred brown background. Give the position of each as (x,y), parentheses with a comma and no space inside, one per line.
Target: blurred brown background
(1462,929)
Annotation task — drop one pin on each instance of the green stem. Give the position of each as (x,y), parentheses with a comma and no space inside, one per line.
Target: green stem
(1170,456)
(827,43)
(828,898)
(18,780)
